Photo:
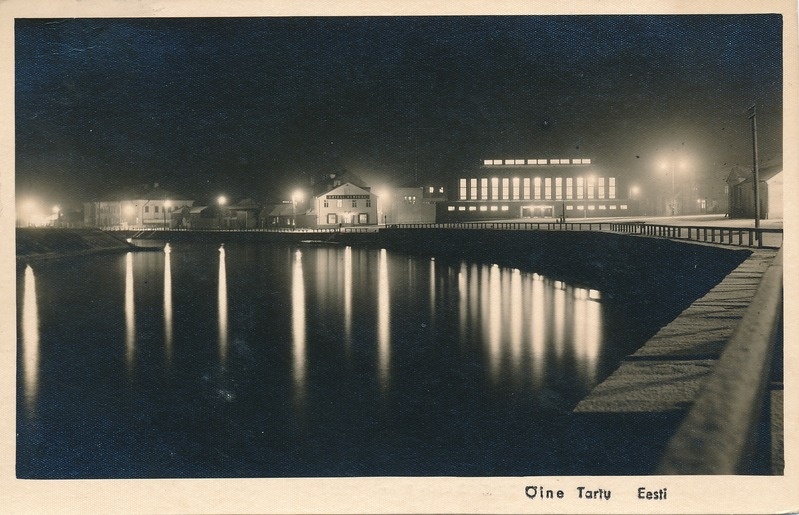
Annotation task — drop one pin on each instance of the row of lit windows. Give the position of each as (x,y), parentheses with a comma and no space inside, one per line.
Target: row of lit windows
(147,209)
(494,162)
(340,203)
(590,207)
(542,189)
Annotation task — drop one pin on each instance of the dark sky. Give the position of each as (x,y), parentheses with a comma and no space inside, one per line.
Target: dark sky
(257,106)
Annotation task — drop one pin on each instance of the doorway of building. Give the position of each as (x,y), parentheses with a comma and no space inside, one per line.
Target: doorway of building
(538,211)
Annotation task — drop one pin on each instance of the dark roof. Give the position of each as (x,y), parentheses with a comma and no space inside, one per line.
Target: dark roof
(739,174)
(144,192)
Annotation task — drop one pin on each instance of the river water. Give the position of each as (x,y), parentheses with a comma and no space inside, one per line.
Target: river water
(258,360)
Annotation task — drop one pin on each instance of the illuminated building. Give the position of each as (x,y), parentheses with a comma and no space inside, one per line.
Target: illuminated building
(341,199)
(535,188)
(409,204)
(147,206)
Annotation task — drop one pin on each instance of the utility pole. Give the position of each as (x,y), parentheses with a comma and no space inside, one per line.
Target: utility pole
(755,172)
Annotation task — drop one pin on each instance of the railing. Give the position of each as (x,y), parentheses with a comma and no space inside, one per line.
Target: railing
(739,236)
(139,232)
(719,434)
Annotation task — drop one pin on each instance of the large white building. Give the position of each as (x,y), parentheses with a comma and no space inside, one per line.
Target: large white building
(535,188)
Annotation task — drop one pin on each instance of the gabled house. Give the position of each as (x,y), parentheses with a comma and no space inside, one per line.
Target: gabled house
(345,204)
(740,184)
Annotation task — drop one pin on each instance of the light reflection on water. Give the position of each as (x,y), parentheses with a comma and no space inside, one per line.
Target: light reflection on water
(298,323)
(222,307)
(130,314)
(30,341)
(383,319)
(288,323)
(168,311)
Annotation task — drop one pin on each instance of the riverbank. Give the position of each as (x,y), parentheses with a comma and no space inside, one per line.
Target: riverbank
(36,244)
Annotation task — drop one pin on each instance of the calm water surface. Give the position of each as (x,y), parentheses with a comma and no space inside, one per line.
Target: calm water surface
(269,361)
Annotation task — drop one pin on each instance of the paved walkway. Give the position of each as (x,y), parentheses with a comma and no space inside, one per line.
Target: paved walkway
(665,374)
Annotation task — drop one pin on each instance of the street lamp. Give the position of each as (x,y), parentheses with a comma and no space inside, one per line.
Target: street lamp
(296,197)
(671,166)
(56,214)
(167,204)
(221,200)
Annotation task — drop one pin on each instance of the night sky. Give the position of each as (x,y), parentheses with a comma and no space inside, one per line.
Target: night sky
(258,106)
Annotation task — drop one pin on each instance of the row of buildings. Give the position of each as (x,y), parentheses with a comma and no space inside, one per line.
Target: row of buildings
(560,188)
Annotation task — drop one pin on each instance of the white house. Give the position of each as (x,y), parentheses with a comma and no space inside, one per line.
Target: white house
(345,204)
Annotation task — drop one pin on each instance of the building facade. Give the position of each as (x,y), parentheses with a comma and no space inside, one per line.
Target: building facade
(740,182)
(147,206)
(409,204)
(535,188)
(345,205)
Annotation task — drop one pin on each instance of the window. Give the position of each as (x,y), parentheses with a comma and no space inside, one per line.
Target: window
(156,209)
(473,188)
(579,187)
(505,188)
(558,188)
(569,208)
(611,187)
(580,207)
(526,187)
(569,186)
(461,208)
(591,207)
(494,188)
(483,208)
(450,208)
(494,208)
(472,208)
(612,207)
(503,208)
(590,183)
(462,192)
(430,189)
(601,187)
(339,203)
(515,184)
(369,202)
(354,203)
(363,218)
(441,189)
(548,188)
(331,218)
(146,209)
(325,203)
(537,188)
(623,206)
(602,206)
(484,188)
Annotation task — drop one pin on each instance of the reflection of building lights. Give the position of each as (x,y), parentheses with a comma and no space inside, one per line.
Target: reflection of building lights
(222,305)
(383,318)
(30,340)
(130,312)
(298,327)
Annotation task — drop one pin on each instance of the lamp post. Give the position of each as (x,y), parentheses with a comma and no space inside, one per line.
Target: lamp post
(167,204)
(296,197)
(671,166)
(56,214)
(221,201)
